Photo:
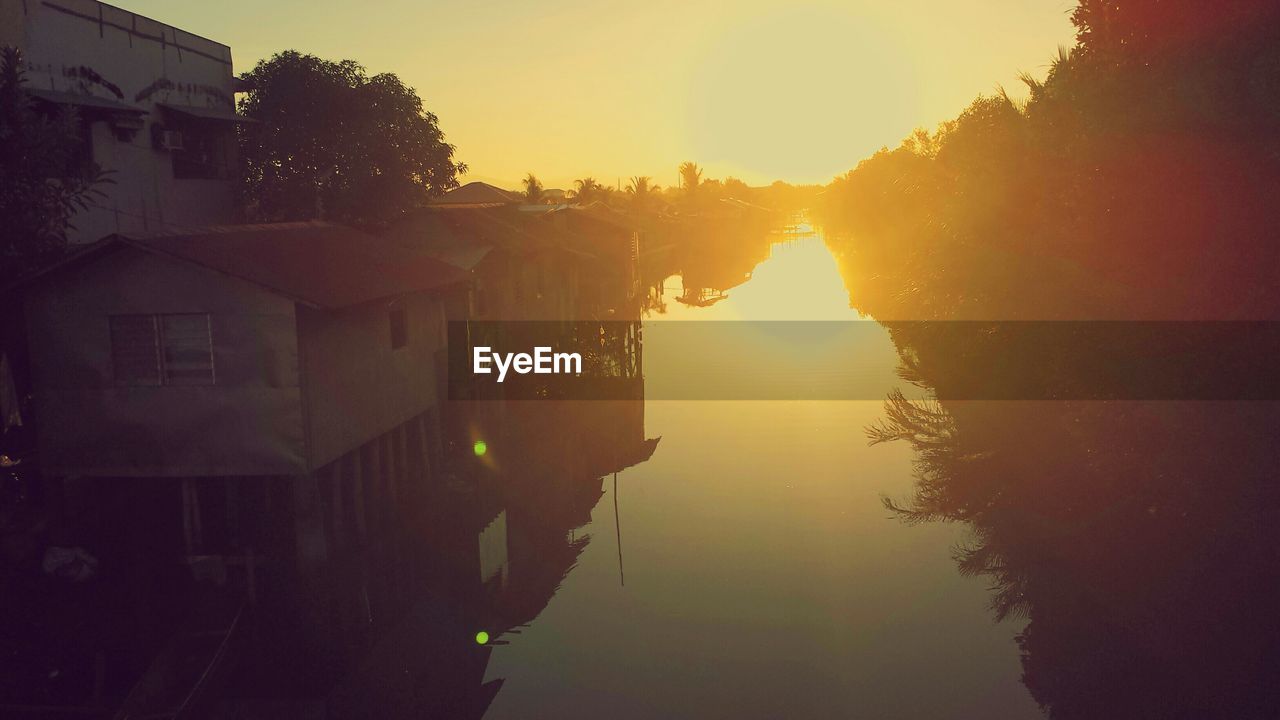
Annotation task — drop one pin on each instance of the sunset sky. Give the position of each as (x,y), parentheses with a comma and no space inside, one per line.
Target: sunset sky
(758,89)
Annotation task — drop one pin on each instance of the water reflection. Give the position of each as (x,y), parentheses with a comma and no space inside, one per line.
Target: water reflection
(1135,538)
(1125,546)
(1132,542)
(763,578)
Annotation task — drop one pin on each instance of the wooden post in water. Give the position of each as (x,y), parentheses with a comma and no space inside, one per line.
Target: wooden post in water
(617,525)
(357,495)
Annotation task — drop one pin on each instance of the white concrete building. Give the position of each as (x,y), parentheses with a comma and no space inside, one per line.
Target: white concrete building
(157,103)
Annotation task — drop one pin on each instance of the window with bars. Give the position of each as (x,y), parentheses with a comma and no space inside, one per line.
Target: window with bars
(172,349)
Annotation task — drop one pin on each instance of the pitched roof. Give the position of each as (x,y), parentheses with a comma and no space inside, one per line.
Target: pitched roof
(477,194)
(206,112)
(317,263)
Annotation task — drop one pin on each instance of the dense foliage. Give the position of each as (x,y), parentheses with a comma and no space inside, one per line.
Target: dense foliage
(41,184)
(1137,181)
(332,141)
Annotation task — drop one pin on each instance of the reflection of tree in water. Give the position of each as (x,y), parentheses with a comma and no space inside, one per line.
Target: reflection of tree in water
(1137,538)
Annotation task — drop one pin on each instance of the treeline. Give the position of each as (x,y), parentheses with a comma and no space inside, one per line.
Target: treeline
(693,195)
(1138,180)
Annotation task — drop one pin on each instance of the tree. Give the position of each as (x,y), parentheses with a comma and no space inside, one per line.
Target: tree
(690,177)
(332,141)
(587,190)
(737,189)
(642,191)
(532,188)
(41,184)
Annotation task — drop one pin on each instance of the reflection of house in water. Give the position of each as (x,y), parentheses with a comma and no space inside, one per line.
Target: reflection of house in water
(551,480)
(701,296)
(715,259)
(493,553)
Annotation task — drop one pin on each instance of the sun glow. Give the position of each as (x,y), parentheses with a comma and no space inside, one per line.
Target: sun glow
(795,93)
(761,90)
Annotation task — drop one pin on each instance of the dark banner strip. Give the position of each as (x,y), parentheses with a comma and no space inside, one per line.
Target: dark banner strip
(864,360)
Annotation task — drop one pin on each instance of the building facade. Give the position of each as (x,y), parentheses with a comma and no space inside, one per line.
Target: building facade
(156,105)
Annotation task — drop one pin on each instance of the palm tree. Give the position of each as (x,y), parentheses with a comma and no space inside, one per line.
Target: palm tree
(642,191)
(587,190)
(690,176)
(641,185)
(532,188)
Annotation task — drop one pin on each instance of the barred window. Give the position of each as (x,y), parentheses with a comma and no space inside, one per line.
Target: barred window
(187,345)
(135,350)
(174,349)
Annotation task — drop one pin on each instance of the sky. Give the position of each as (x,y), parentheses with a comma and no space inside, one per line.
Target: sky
(761,90)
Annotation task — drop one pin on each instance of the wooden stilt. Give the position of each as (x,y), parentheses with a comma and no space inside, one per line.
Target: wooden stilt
(396,474)
(374,482)
(357,495)
(232,486)
(337,509)
(192,529)
(308,521)
(424,445)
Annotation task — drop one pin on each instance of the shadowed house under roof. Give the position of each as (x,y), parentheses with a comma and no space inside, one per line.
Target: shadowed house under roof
(191,353)
(477,194)
(613,240)
(520,269)
(252,362)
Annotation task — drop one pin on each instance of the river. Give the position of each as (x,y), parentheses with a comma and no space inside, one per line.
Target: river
(752,570)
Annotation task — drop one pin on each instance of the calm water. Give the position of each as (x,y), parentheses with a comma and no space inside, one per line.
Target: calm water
(763,577)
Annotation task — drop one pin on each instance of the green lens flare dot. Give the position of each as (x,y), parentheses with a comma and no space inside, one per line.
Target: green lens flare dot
(482,637)
(480,448)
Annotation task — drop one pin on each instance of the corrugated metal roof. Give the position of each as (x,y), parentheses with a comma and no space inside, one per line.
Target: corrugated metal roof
(208,113)
(82,100)
(318,263)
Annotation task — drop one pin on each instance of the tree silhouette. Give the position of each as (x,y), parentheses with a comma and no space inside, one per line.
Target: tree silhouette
(532,188)
(333,141)
(587,190)
(690,177)
(642,192)
(41,184)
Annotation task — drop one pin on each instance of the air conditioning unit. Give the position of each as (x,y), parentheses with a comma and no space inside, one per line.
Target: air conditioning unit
(167,139)
(171,140)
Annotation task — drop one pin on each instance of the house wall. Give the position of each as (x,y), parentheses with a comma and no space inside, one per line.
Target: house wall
(539,286)
(357,386)
(141,62)
(248,423)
